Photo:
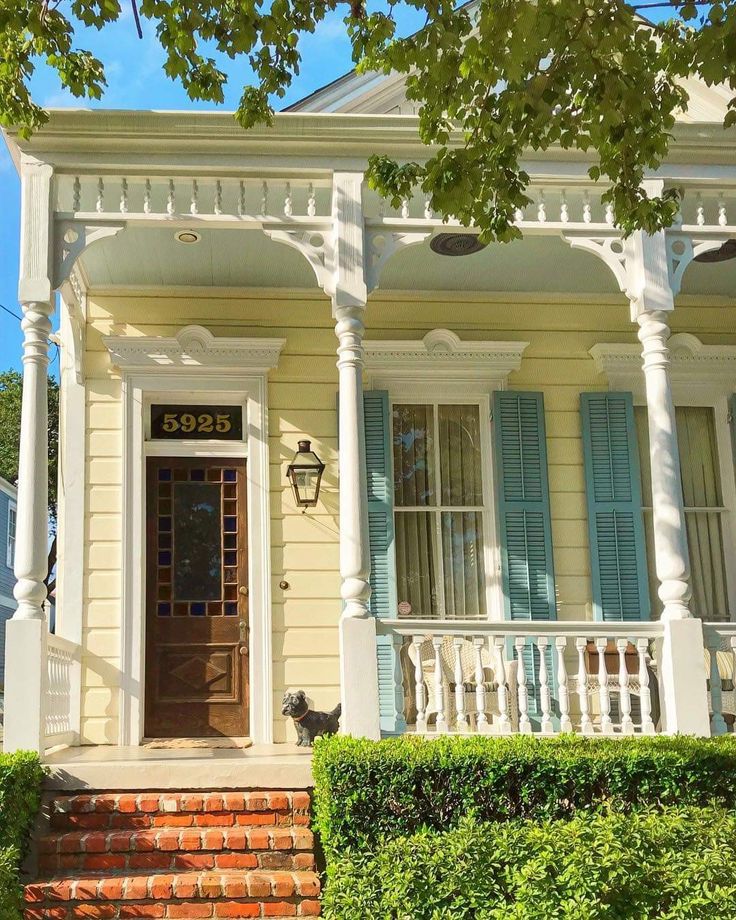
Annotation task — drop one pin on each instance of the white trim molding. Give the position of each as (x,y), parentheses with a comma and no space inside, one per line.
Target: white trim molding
(141,385)
(442,353)
(692,365)
(194,347)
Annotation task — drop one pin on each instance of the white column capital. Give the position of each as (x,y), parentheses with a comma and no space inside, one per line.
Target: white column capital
(36,212)
(647,274)
(349,285)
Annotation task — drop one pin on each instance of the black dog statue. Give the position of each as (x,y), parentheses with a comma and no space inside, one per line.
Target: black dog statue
(309,724)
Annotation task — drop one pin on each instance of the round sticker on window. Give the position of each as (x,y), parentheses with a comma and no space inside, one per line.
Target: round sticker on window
(404,609)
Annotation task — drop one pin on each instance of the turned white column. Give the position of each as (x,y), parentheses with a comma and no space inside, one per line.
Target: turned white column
(670,534)
(358,667)
(25,642)
(680,658)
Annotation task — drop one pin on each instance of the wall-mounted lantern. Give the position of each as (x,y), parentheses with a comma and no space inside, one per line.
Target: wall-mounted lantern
(305,475)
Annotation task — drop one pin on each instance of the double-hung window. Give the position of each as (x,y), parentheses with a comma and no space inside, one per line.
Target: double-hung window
(10,544)
(441,509)
(705,503)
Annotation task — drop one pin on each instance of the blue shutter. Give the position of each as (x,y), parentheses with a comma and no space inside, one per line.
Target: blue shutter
(615,521)
(378,449)
(525,527)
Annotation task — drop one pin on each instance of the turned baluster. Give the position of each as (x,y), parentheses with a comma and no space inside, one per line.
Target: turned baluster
(563,692)
(545,700)
(419,692)
(645,695)
(586,724)
(603,693)
(627,725)
(504,719)
(461,719)
(481,719)
(525,726)
(439,686)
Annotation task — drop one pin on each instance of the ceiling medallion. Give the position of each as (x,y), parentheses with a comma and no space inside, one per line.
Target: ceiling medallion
(456,244)
(724,254)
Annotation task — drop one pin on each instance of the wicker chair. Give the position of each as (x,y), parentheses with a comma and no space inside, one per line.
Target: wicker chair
(468,664)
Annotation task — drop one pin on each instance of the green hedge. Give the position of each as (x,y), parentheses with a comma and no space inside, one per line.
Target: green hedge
(21,778)
(671,865)
(367,791)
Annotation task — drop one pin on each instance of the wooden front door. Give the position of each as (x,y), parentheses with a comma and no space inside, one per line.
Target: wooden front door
(197,598)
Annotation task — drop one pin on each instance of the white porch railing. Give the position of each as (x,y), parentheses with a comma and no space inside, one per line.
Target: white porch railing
(588,678)
(61,699)
(720,644)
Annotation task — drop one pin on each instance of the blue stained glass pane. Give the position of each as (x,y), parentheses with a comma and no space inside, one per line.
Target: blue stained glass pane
(229,475)
(164,558)
(164,610)
(230,524)
(198,610)
(231,558)
(197,475)
(164,475)
(231,609)
(164,524)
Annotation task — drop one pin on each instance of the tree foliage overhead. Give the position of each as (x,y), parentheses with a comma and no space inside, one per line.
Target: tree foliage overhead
(491,79)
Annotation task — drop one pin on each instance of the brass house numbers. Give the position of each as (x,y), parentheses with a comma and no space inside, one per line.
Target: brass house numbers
(196,422)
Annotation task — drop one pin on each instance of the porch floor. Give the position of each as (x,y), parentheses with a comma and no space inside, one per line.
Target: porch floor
(109,767)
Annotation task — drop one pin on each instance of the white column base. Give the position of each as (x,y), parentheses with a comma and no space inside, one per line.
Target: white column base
(25,683)
(683,690)
(359,678)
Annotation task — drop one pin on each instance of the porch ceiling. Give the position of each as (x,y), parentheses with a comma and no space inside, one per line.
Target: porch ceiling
(241,258)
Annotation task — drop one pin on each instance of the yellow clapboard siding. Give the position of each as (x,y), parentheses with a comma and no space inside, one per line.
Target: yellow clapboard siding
(100,703)
(102,613)
(103,555)
(99,731)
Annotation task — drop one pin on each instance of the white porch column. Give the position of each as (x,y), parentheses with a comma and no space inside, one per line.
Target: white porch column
(358,668)
(682,667)
(25,668)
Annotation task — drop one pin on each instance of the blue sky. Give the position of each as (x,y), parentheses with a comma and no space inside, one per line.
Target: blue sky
(136,81)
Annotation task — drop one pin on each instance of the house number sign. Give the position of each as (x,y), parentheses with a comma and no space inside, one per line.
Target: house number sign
(198,422)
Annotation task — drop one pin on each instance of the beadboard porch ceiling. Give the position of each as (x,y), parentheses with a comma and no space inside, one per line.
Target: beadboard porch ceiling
(239,258)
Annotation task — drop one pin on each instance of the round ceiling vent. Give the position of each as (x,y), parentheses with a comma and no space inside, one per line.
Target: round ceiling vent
(723,254)
(187,236)
(456,244)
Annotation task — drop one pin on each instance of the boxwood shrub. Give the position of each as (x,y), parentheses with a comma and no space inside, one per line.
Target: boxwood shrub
(368,791)
(670,865)
(21,778)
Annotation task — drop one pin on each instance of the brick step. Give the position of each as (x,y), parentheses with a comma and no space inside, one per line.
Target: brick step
(248,893)
(175,848)
(126,811)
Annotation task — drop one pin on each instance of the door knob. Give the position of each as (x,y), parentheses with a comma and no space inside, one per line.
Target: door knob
(243,590)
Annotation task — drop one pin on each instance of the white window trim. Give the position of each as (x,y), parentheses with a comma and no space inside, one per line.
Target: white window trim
(237,370)
(10,556)
(455,372)
(700,375)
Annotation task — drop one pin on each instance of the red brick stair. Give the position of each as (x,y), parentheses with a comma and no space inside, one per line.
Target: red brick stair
(176,855)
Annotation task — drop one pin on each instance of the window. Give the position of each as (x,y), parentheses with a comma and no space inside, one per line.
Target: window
(10,546)
(704,508)
(440,510)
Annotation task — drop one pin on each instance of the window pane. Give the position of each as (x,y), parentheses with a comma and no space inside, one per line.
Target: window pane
(701,488)
(197,542)
(415,569)
(462,554)
(696,437)
(413,455)
(460,455)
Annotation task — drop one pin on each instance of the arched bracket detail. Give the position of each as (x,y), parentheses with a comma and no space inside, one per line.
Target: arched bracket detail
(382,245)
(316,246)
(682,250)
(72,238)
(609,249)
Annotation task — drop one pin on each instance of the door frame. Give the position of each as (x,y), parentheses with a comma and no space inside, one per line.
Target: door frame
(141,386)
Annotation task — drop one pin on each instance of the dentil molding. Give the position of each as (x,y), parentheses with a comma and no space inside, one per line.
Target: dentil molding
(194,346)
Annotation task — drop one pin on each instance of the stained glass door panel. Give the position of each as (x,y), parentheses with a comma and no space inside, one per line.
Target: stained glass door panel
(197,598)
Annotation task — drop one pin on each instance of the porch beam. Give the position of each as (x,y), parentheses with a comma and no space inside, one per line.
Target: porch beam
(357,633)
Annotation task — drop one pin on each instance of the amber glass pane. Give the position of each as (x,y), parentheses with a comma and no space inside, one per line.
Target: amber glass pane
(197,543)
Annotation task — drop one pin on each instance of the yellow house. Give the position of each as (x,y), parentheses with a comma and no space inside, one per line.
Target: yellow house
(527,516)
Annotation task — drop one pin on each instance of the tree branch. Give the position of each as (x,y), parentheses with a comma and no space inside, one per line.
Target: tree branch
(134,5)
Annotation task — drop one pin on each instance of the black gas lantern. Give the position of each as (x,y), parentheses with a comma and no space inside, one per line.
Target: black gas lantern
(305,475)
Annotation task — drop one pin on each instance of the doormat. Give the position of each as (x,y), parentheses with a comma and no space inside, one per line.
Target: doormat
(178,744)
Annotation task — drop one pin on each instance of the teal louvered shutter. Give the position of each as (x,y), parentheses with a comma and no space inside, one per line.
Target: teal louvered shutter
(525,528)
(615,521)
(378,447)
